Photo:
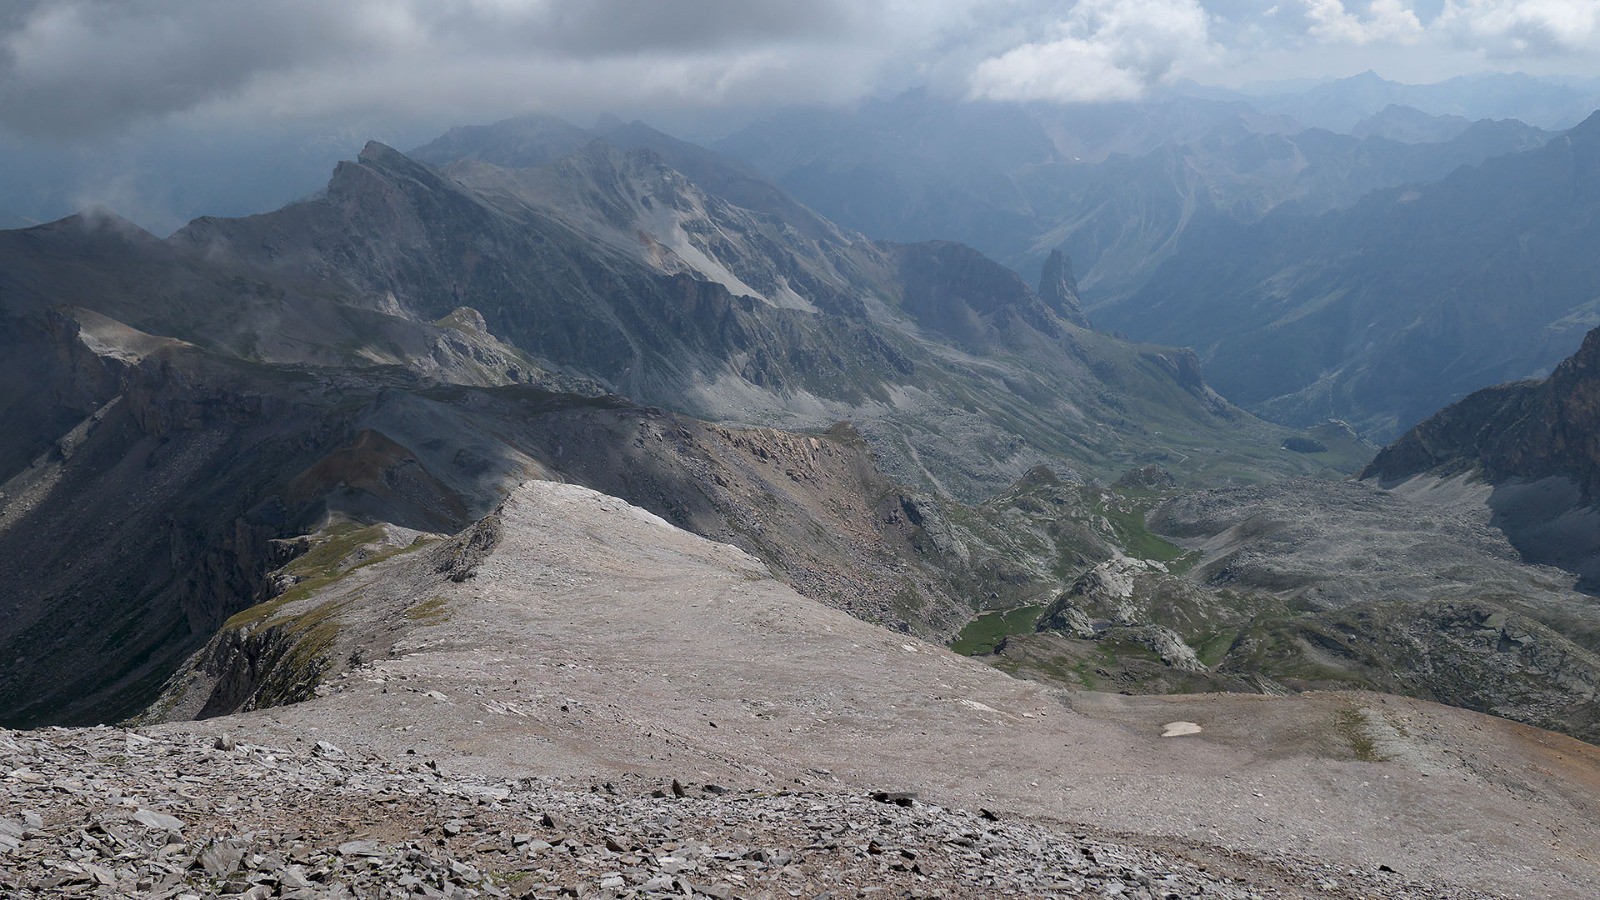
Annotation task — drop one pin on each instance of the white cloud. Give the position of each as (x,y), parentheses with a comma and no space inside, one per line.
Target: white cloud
(1523,28)
(1387,21)
(1103,50)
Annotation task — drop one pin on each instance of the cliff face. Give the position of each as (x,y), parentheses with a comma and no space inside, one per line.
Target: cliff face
(138,531)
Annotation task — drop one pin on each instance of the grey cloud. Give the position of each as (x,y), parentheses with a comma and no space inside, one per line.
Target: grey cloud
(605,27)
(76,67)
(88,66)
(91,68)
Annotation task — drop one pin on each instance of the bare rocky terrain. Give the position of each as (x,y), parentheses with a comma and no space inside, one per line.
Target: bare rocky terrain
(574,637)
(111,813)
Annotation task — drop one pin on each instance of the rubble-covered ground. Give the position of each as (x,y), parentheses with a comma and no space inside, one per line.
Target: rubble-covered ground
(110,813)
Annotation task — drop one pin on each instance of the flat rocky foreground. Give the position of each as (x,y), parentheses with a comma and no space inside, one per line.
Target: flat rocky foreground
(109,813)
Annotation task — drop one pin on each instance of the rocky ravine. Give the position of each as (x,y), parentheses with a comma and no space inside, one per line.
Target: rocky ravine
(572,636)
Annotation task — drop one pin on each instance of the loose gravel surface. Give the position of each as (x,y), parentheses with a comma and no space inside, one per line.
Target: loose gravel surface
(109,813)
(594,643)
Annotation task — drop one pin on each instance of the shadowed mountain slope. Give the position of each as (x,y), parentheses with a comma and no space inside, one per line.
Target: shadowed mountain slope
(1538,444)
(1384,312)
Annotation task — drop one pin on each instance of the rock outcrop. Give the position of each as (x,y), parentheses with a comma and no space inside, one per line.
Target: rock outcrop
(1059,289)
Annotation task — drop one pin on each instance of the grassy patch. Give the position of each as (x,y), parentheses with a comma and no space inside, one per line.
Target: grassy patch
(1127,520)
(314,633)
(321,566)
(985,632)
(429,612)
(1213,648)
(1352,726)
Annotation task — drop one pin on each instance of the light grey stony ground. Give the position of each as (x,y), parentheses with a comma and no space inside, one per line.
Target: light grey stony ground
(594,643)
(109,813)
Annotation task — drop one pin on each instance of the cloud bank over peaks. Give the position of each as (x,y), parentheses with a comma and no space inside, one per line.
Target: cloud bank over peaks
(1103,50)
(1516,29)
(1392,21)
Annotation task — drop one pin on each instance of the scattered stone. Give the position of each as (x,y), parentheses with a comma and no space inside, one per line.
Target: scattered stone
(219,859)
(898,798)
(152,819)
(269,824)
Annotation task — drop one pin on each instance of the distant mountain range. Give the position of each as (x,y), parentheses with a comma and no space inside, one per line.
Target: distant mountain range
(1385,311)
(1340,104)
(1114,187)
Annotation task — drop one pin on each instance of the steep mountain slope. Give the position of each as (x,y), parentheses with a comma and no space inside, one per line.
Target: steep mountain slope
(104,264)
(616,266)
(532,141)
(1382,313)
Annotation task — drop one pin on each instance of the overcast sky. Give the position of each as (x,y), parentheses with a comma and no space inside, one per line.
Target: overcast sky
(78,68)
(102,87)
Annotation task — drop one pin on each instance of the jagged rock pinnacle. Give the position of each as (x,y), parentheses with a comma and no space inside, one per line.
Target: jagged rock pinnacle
(1059,289)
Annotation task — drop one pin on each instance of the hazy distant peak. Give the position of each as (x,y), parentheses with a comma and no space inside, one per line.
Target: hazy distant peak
(1409,125)
(97,221)
(519,142)
(1588,130)
(378,153)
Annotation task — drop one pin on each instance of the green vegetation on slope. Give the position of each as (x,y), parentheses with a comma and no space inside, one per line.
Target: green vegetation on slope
(985,632)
